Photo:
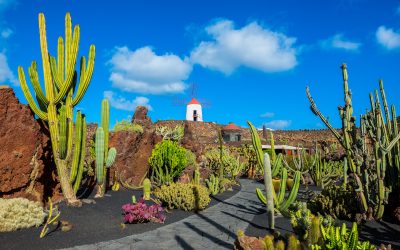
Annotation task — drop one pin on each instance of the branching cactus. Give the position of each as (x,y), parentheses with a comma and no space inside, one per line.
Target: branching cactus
(105,157)
(213,184)
(373,179)
(281,201)
(276,160)
(63,90)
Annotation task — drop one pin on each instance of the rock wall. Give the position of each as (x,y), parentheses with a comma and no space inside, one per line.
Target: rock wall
(26,167)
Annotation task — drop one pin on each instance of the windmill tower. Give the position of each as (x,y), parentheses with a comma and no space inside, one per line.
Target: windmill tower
(193,111)
(194,106)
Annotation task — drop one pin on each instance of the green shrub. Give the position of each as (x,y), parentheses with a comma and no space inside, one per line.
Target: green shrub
(20,213)
(167,161)
(126,125)
(183,196)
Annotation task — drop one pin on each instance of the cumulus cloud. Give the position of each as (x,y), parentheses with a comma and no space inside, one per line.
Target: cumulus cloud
(388,38)
(6,33)
(6,75)
(338,41)
(278,124)
(142,71)
(119,102)
(251,46)
(267,115)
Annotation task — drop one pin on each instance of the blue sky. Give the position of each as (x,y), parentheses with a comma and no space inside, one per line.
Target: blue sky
(251,59)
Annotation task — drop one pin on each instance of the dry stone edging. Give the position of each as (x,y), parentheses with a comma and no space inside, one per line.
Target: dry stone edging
(213,228)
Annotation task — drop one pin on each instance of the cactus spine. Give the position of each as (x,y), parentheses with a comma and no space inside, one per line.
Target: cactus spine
(105,157)
(55,104)
(146,189)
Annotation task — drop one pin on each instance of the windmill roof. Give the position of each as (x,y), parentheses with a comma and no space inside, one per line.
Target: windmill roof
(193,101)
(232,127)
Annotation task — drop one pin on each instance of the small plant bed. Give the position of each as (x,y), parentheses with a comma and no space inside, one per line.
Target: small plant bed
(93,223)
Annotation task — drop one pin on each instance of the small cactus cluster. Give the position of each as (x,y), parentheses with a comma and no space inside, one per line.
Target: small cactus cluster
(183,196)
(19,213)
(336,201)
(341,238)
(104,157)
(324,173)
(213,184)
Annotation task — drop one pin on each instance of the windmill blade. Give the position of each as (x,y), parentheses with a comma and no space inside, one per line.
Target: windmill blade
(179,101)
(205,103)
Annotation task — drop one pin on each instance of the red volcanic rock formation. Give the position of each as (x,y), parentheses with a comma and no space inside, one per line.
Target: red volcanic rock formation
(26,168)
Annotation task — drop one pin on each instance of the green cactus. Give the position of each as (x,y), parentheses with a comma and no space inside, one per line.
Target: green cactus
(336,201)
(373,179)
(146,189)
(196,176)
(269,242)
(323,172)
(293,243)
(280,245)
(105,157)
(281,201)
(213,184)
(341,238)
(276,160)
(79,151)
(63,91)
(314,231)
(167,161)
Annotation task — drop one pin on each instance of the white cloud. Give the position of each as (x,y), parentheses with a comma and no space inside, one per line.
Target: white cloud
(388,38)
(251,46)
(267,115)
(278,124)
(122,103)
(6,33)
(142,71)
(338,41)
(6,75)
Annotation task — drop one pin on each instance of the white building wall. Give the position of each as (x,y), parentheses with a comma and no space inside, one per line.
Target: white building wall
(190,110)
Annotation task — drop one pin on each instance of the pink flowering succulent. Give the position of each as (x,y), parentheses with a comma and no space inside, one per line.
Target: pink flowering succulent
(141,213)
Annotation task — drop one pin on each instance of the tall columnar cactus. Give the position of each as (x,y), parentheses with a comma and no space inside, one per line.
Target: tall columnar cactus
(269,191)
(196,176)
(104,157)
(146,189)
(63,90)
(371,183)
(79,151)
